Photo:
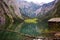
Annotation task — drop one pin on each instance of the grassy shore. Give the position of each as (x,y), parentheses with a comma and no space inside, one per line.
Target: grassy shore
(34,20)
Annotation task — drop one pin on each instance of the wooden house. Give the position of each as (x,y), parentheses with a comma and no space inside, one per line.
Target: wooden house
(54,24)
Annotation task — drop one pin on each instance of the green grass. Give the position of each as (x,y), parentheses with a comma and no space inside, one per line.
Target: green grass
(34,20)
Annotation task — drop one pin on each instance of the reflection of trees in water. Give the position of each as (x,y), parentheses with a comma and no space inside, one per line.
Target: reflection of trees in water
(33,29)
(9,32)
(23,30)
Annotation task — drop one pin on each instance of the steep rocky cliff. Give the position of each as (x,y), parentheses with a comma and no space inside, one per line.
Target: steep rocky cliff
(58,9)
(9,11)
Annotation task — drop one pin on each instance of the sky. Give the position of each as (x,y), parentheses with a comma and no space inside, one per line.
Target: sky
(40,1)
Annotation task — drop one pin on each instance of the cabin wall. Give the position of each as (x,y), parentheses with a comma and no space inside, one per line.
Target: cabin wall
(55,26)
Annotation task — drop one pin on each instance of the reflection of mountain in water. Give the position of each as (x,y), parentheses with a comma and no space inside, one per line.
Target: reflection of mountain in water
(32,29)
(16,30)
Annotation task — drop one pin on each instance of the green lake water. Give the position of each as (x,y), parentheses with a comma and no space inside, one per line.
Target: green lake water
(16,31)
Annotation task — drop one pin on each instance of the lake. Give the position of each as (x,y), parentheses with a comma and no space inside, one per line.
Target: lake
(19,31)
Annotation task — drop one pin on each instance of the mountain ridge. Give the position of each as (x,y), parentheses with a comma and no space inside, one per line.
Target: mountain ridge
(32,10)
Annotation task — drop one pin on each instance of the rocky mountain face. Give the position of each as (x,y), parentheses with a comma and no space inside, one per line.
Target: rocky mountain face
(2,16)
(46,10)
(32,10)
(57,14)
(9,11)
(28,9)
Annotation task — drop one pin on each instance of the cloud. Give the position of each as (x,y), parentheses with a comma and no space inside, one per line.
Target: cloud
(40,1)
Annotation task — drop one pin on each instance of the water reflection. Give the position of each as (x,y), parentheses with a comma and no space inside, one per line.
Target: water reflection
(28,29)
(32,29)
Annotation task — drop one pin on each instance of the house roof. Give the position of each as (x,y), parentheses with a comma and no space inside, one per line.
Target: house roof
(54,20)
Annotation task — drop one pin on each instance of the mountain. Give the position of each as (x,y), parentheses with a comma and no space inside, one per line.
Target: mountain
(28,9)
(57,6)
(9,11)
(32,10)
(45,9)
